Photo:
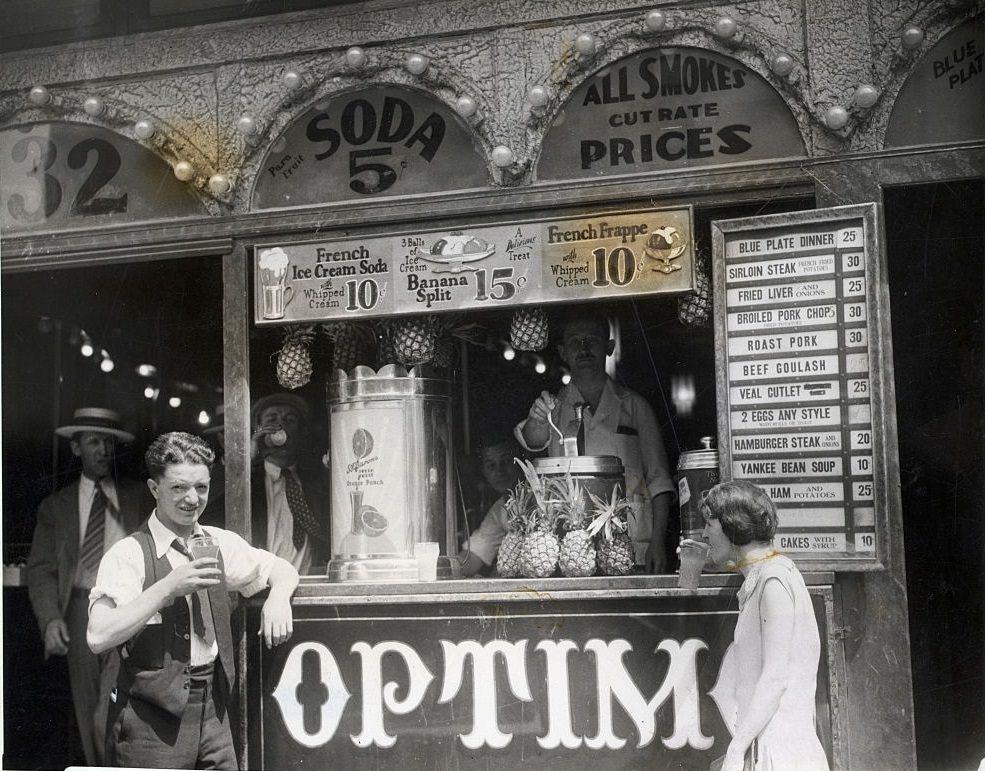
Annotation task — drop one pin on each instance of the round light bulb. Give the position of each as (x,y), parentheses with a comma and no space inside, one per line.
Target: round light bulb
(87,350)
(246,125)
(106,365)
(219,184)
(144,129)
(912,37)
(585,44)
(655,21)
(203,416)
(836,117)
(174,402)
(416,64)
(565,378)
(502,156)
(726,27)
(538,96)
(146,370)
(184,171)
(39,96)
(509,354)
(93,106)
(866,96)
(540,368)
(292,79)
(466,106)
(148,392)
(782,64)
(355,57)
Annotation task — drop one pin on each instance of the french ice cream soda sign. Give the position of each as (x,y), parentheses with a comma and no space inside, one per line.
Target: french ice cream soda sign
(589,684)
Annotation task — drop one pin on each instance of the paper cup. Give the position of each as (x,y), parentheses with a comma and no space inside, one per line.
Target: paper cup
(426,554)
(692,562)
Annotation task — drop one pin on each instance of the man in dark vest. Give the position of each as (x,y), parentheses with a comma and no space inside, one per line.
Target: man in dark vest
(169,614)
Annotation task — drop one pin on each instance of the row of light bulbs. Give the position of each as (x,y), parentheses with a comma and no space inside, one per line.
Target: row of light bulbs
(586,45)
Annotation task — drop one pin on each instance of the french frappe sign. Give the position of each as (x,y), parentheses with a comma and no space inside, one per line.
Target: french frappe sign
(667,108)
(795,373)
(521,263)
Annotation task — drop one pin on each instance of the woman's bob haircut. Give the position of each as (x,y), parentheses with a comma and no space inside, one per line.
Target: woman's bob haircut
(746,512)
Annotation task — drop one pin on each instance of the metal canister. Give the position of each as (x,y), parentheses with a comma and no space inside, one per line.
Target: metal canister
(391,475)
(598,474)
(697,472)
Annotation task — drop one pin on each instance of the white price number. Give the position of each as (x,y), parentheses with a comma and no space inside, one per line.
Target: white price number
(861,465)
(865,542)
(856,338)
(856,312)
(862,440)
(858,388)
(862,491)
(850,262)
(853,287)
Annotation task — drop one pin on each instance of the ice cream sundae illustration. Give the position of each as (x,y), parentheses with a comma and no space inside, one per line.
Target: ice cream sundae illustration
(455,251)
(277,295)
(663,245)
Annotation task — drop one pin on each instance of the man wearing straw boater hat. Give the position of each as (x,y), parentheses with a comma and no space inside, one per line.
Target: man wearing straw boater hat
(75,526)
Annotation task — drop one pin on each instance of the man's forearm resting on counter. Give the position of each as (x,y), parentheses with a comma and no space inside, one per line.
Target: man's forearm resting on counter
(656,557)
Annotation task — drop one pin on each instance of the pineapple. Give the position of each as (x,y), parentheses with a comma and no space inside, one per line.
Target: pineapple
(528,330)
(694,309)
(385,351)
(294,357)
(349,342)
(540,551)
(615,549)
(413,339)
(517,504)
(577,556)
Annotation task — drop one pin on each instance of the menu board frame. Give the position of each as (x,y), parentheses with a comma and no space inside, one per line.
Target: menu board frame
(566,258)
(786,373)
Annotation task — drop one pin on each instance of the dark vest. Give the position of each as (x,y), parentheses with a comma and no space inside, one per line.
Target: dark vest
(155,662)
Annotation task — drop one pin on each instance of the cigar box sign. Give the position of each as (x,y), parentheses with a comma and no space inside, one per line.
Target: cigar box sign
(795,319)
(523,263)
(667,108)
(562,685)
(61,175)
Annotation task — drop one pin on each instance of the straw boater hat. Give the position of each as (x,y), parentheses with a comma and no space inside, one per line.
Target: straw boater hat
(97,420)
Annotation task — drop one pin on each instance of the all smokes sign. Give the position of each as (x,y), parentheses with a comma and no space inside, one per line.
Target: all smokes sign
(666,109)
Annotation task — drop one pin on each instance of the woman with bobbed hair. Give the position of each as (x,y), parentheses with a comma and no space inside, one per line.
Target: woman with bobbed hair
(768,678)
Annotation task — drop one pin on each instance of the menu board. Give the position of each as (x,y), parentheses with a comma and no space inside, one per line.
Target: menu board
(794,298)
(521,263)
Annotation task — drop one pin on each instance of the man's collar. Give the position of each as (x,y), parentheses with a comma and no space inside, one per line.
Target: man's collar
(162,535)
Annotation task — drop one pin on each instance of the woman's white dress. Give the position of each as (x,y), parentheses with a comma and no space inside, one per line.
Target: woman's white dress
(789,742)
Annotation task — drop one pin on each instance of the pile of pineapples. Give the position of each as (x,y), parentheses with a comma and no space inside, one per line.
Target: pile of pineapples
(552,527)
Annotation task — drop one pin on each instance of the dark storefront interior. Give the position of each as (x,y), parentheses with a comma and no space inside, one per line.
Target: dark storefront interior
(936,252)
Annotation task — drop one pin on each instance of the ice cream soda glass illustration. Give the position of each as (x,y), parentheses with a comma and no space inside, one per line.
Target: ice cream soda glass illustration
(275,292)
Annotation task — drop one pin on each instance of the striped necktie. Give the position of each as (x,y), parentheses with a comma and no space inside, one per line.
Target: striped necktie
(92,544)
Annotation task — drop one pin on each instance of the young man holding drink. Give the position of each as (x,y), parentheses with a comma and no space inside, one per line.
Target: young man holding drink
(168,611)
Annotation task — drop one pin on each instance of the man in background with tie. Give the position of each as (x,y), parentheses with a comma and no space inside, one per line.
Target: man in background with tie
(75,527)
(289,496)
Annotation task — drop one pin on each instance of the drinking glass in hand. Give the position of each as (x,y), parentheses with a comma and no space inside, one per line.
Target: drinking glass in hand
(204,546)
